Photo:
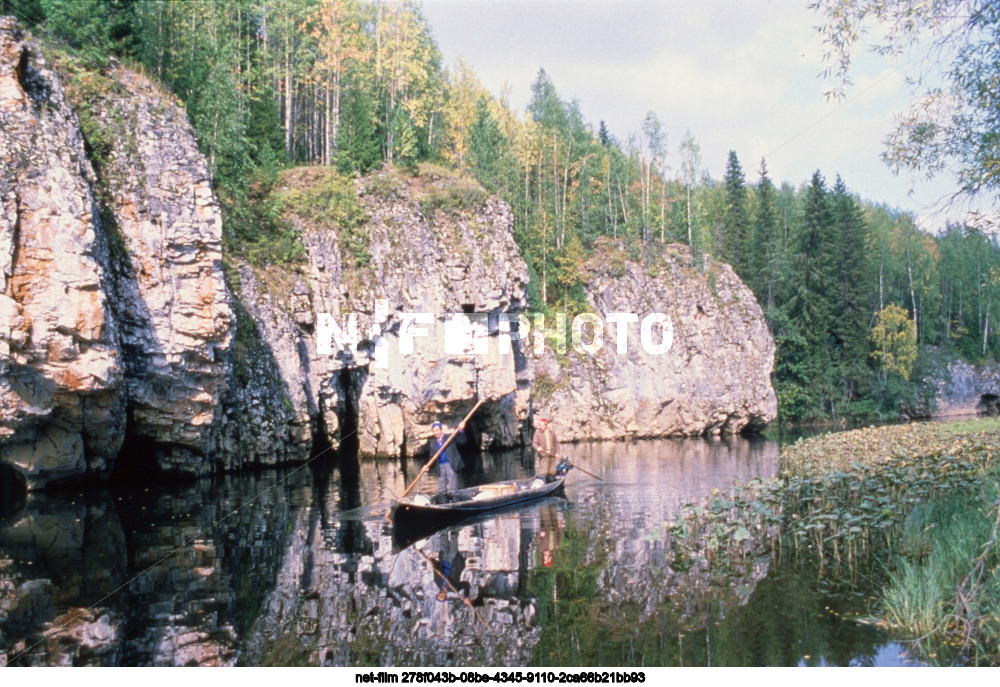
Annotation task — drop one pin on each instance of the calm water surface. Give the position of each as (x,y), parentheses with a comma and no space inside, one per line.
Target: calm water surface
(299,567)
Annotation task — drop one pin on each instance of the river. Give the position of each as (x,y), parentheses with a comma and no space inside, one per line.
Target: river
(299,567)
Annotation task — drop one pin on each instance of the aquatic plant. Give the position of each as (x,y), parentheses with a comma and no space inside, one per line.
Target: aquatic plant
(851,500)
(947,593)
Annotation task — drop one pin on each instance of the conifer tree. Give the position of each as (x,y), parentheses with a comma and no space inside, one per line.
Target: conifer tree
(851,306)
(734,246)
(765,250)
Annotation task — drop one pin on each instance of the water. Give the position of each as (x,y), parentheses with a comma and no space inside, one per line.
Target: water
(299,567)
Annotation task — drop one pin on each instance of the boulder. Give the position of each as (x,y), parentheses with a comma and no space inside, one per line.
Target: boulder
(712,375)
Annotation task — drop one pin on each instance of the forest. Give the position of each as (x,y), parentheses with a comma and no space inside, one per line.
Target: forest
(862,303)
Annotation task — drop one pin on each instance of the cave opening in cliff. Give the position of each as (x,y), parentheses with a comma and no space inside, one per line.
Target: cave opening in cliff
(344,462)
(348,454)
(13,491)
(990,404)
(140,461)
(345,459)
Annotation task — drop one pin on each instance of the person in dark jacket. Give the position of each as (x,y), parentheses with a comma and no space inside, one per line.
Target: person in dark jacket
(449,461)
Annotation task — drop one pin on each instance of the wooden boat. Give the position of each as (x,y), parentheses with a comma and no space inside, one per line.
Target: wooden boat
(407,533)
(421,514)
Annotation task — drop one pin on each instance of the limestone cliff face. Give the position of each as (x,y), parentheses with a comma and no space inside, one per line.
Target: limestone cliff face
(417,248)
(714,377)
(116,321)
(167,288)
(62,410)
(114,316)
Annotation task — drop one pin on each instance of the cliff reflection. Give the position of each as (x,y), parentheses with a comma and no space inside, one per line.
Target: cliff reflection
(300,568)
(59,560)
(142,578)
(442,601)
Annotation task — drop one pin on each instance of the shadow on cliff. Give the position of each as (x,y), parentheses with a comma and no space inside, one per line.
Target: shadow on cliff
(13,491)
(141,460)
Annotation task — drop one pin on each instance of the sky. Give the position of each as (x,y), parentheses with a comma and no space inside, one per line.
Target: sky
(741,75)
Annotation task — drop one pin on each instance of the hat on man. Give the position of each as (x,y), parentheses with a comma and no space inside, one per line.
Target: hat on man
(436,424)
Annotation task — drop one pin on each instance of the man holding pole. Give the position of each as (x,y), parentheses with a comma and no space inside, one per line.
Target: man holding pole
(546,446)
(449,461)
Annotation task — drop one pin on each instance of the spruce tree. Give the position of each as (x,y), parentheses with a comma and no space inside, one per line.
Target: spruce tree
(765,249)
(851,308)
(490,155)
(735,230)
(808,310)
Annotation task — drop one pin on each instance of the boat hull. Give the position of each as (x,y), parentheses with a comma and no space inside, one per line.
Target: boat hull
(410,520)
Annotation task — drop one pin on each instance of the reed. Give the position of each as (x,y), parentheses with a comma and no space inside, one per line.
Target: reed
(917,496)
(946,589)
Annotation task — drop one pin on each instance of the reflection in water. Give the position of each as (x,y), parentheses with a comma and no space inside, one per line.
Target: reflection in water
(239,571)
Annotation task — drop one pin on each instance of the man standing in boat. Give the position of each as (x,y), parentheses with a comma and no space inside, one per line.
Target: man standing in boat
(546,446)
(449,461)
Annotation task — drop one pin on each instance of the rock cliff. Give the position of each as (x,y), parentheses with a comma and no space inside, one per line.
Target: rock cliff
(115,319)
(166,286)
(117,324)
(712,377)
(62,394)
(377,249)
(957,387)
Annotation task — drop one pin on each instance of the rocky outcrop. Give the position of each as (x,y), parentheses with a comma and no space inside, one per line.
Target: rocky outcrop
(62,396)
(114,315)
(431,244)
(956,387)
(116,322)
(167,288)
(714,376)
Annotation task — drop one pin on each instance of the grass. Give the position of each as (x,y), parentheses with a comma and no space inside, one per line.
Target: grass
(946,588)
(986,424)
(437,189)
(286,652)
(327,201)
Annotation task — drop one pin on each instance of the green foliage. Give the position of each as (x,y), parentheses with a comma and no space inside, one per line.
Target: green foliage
(953,119)
(544,387)
(457,196)
(935,591)
(359,142)
(286,651)
(490,155)
(95,29)
(87,90)
(894,343)
(735,246)
(29,12)
(328,201)
(765,265)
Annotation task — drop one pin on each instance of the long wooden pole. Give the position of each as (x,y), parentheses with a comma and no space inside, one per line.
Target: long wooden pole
(427,467)
(577,467)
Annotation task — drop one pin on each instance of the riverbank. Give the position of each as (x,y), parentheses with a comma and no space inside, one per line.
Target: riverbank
(935,490)
(911,505)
